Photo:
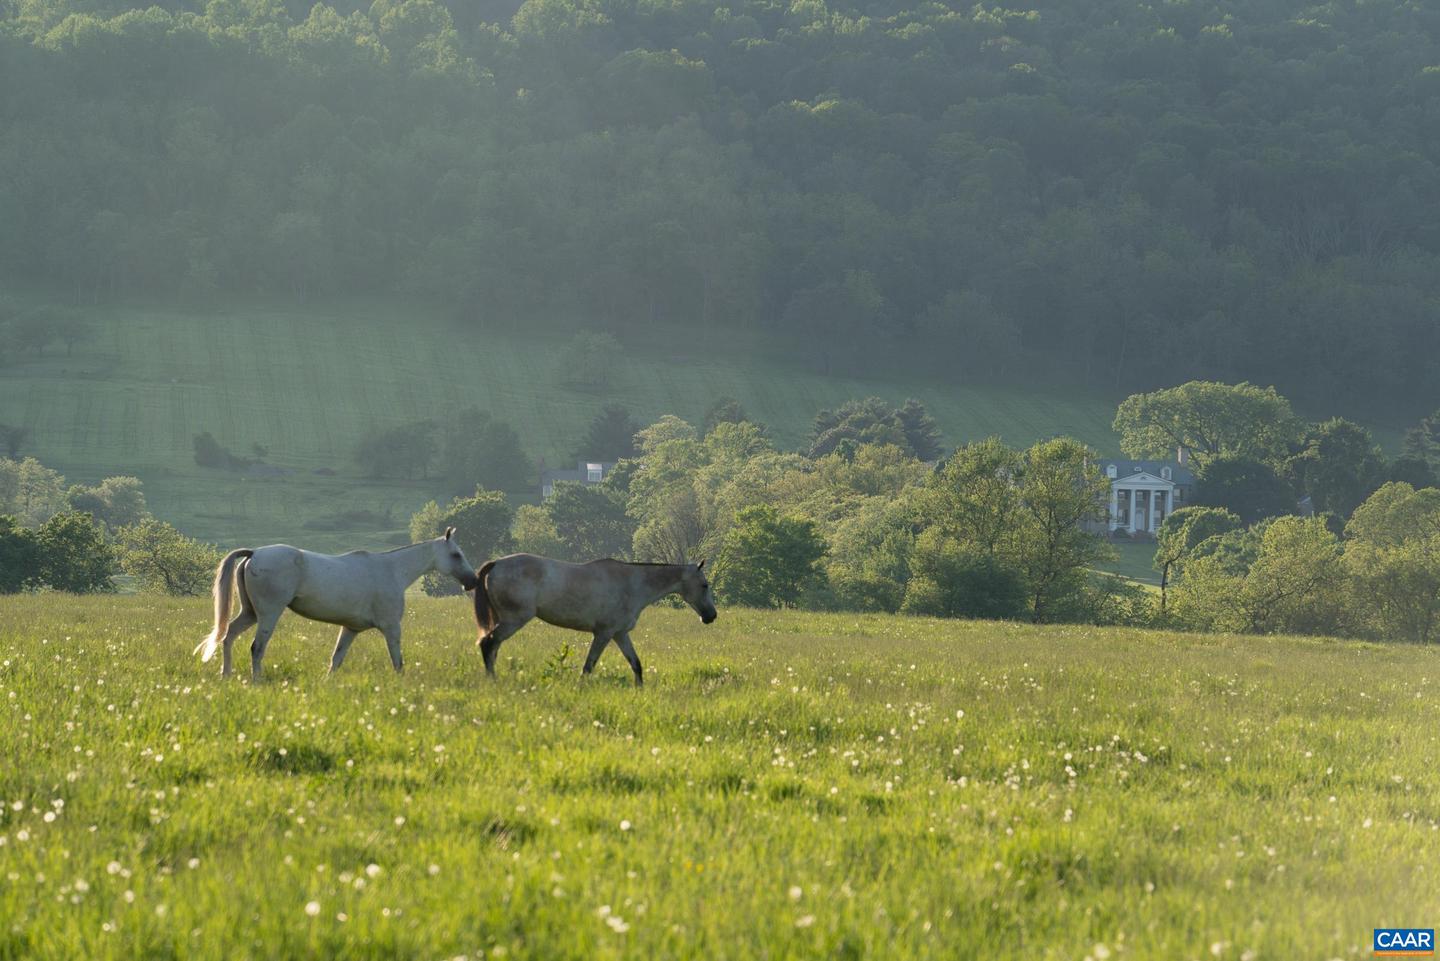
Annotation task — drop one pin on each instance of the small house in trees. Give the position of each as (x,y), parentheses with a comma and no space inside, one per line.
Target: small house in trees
(585,472)
(1145,492)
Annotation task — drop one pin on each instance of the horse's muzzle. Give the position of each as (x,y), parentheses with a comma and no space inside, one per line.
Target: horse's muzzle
(708,618)
(469,582)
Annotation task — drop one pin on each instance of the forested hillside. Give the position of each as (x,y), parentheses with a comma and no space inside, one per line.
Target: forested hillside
(1113,192)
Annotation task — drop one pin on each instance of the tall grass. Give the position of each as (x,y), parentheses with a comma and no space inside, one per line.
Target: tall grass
(786,786)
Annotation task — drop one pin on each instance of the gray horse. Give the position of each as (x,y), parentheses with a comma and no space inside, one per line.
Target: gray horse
(358,591)
(602,597)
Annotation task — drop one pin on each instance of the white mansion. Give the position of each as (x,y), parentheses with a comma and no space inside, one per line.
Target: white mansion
(1145,492)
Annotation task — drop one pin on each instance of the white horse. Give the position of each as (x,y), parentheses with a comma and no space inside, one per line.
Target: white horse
(358,591)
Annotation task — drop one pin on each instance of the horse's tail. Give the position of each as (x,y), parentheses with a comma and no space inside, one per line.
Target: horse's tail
(484,610)
(224,576)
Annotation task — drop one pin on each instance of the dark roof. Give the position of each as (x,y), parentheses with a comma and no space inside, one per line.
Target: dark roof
(1124,468)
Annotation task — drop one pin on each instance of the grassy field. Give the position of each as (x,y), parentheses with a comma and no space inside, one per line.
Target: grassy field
(1134,560)
(308,383)
(786,786)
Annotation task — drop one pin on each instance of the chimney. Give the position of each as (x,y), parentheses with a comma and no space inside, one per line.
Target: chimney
(1182,455)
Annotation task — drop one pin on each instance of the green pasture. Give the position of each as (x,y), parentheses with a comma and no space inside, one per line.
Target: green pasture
(1132,560)
(308,383)
(786,786)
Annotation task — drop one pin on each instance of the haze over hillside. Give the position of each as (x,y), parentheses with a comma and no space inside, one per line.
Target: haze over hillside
(132,398)
(1102,191)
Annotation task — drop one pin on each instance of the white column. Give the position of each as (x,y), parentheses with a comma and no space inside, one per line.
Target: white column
(1114,508)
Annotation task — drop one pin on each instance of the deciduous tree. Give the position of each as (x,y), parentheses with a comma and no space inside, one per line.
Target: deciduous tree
(1210,420)
(1248,487)
(1181,533)
(165,561)
(115,502)
(482,525)
(74,556)
(768,559)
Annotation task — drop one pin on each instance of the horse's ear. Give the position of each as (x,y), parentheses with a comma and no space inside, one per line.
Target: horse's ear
(700,565)
(449,531)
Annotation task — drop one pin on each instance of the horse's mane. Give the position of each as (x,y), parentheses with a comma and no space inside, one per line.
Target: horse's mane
(390,551)
(616,560)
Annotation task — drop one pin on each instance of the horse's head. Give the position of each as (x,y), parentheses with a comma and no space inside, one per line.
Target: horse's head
(450,559)
(695,588)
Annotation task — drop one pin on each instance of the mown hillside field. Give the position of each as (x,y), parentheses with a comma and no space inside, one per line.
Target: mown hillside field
(309,383)
(786,786)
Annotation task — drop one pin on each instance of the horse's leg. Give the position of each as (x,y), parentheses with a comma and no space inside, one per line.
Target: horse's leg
(262,639)
(490,643)
(242,623)
(597,647)
(392,641)
(342,647)
(623,640)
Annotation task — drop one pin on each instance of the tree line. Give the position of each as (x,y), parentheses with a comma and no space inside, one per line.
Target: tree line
(1119,194)
(77,538)
(1293,527)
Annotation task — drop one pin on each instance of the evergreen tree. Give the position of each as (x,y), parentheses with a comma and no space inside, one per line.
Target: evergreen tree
(610,436)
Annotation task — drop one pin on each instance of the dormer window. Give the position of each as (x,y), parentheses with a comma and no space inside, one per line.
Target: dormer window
(1111,471)
(594,473)
(1165,472)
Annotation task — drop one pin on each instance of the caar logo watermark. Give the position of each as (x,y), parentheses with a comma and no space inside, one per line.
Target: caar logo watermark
(1404,942)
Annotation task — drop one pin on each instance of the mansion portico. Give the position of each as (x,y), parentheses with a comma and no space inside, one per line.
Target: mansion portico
(1145,492)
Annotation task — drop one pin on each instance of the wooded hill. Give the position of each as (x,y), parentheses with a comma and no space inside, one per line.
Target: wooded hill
(1117,193)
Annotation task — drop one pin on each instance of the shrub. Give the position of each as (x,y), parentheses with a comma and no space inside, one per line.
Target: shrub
(164,560)
(19,556)
(73,555)
(768,559)
(949,580)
